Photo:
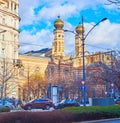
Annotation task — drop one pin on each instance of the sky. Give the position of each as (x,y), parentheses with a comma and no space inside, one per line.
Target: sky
(38,17)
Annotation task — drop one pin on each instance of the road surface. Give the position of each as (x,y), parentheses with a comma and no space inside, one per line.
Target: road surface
(114,120)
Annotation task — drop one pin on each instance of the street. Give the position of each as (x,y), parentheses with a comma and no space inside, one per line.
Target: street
(113,120)
(33,110)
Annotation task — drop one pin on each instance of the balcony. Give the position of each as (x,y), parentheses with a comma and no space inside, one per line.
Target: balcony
(17,63)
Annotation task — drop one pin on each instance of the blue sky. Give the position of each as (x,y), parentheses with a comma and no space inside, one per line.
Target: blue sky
(38,16)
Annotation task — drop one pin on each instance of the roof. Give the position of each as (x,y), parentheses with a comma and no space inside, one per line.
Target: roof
(42,51)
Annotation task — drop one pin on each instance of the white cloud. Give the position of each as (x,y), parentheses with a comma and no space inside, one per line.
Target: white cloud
(51,9)
(26,10)
(42,39)
(48,13)
(105,34)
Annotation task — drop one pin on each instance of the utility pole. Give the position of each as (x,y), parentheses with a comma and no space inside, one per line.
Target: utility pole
(28,78)
(83,38)
(112,75)
(50,69)
(38,90)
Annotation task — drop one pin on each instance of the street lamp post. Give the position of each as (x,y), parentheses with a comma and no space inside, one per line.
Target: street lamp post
(112,79)
(83,88)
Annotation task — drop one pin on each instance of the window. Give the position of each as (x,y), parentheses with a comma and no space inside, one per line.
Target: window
(21,72)
(37,69)
(3,52)
(59,35)
(37,100)
(3,37)
(66,71)
(15,8)
(3,21)
(51,69)
(15,23)
(15,37)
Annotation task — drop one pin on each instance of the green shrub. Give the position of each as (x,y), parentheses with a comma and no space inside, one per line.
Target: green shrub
(4,109)
(93,109)
(95,112)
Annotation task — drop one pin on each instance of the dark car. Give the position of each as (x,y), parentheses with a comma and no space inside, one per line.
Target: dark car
(39,103)
(67,103)
(117,101)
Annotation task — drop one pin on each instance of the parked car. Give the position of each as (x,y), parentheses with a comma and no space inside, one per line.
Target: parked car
(6,103)
(67,103)
(117,101)
(39,103)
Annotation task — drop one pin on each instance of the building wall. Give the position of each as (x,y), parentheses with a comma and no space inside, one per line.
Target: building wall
(9,21)
(31,66)
(9,24)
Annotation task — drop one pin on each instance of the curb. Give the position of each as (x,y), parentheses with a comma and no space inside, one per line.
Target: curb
(98,121)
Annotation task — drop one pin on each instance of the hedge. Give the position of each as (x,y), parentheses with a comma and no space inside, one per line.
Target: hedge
(67,115)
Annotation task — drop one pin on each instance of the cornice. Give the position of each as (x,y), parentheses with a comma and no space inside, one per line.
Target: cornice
(10,13)
(10,27)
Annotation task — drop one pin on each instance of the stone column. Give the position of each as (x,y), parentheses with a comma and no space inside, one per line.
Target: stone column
(16,8)
(10,5)
(13,7)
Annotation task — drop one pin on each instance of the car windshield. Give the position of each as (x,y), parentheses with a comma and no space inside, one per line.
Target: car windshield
(62,101)
(67,101)
(40,100)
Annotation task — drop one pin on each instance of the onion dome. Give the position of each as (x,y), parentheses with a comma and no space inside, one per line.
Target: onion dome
(79,29)
(58,24)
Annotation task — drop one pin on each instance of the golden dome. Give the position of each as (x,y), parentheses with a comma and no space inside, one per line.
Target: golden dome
(58,24)
(79,29)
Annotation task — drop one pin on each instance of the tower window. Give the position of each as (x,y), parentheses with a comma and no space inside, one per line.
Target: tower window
(37,70)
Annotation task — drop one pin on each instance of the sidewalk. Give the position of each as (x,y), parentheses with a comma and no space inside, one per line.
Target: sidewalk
(112,120)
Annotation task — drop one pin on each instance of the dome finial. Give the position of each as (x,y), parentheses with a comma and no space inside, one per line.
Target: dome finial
(58,23)
(79,29)
(58,16)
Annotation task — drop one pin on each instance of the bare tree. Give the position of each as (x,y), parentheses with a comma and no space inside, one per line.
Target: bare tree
(8,72)
(114,2)
(106,74)
(37,86)
(98,76)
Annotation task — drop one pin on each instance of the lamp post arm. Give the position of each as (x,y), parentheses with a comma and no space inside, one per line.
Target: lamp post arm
(94,27)
(70,31)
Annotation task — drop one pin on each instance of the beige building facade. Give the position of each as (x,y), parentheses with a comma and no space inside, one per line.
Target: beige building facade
(9,33)
(61,70)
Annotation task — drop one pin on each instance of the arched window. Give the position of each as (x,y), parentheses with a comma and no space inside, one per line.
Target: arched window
(66,71)
(37,70)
